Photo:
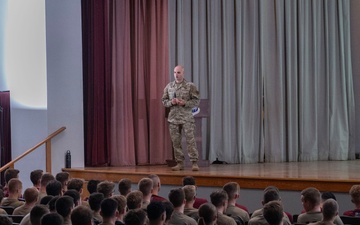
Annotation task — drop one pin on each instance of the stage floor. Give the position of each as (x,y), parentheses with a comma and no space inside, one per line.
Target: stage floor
(335,176)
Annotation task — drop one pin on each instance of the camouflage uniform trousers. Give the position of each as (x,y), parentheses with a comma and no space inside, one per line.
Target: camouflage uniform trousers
(175,134)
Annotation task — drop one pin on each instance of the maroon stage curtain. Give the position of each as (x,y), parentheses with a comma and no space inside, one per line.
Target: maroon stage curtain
(5,130)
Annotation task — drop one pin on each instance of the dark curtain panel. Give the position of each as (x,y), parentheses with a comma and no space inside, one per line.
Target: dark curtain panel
(5,130)
(97,81)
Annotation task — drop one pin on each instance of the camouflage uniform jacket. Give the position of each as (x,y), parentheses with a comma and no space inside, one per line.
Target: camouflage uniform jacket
(185,90)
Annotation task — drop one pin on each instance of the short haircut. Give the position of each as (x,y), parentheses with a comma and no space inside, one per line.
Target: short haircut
(46,199)
(355,193)
(95,200)
(46,178)
(108,208)
(155,179)
(121,201)
(52,203)
(81,215)
(327,195)
(273,212)
(207,213)
(155,210)
(36,213)
(31,195)
(176,197)
(145,185)
(169,208)
(311,195)
(271,195)
(330,209)
(10,174)
(64,205)
(14,185)
(35,176)
(231,189)
(188,180)
(62,177)
(190,192)
(4,220)
(76,184)
(75,195)
(54,188)
(106,188)
(92,185)
(218,198)
(135,217)
(124,186)
(134,199)
(52,219)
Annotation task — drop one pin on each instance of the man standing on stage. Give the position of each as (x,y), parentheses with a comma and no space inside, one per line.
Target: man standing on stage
(181,96)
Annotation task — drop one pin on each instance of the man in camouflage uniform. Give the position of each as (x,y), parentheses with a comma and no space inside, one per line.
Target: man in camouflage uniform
(181,96)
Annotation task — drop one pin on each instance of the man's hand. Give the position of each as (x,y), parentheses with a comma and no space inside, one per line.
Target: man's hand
(181,102)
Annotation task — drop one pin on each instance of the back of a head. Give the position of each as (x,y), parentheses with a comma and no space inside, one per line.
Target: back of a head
(145,185)
(10,174)
(121,201)
(4,220)
(75,195)
(134,199)
(169,208)
(31,195)
(35,176)
(54,188)
(76,184)
(106,187)
(273,212)
(108,208)
(92,186)
(330,209)
(188,180)
(36,213)
(207,213)
(231,188)
(46,199)
(176,197)
(81,215)
(355,194)
(46,178)
(124,186)
(14,185)
(52,203)
(327,195)
(95,200)
(190,192)
(64,205)
(52,219)
(63,177)
(155,211)
(271,195)
(311,195)
(218,198)
(135,217)
(155,179)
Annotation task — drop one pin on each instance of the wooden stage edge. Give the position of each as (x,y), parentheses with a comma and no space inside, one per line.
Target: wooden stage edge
(335,176)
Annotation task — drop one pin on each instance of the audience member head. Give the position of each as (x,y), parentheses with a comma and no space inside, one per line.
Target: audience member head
(310,198)
(46,199)
(63,178)
(52,203)
(273,212)
(15,187)
(177,197)
(125,186)
(271,194)
(156,213)
(81,215)
(219,199)
(232,189)
(31,195)
(75,195)
(36,213)
(330,210)
(45,179)
(134,200)
(75,184)
(52,219)
(108,208)
(169,208)
(145,185)
(190,192)
(4,220)
(156,182)
(35,177)
(135,217)
(208,214)
(327,195)
(95,200)
(54,188)
(121,201)
(355,194)
(106,187)
(64,205)
(10,174)
(92,186)
(188,180)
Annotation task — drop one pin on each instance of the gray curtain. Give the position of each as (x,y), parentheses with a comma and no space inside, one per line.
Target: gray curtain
(277,73)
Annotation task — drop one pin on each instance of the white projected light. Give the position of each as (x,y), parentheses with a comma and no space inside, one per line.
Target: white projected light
(25,53)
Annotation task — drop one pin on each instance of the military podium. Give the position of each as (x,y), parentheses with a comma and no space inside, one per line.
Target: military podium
(203,114)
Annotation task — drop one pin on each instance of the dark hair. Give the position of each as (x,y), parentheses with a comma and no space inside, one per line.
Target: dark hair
(124,186)
(135,217)
(92,185)
(64,205)
(108,207)
(46,199)
(106,188)
(328,195)
(155,210)
(35,176)
(134,199)
(329,209)
(62,177)
(11,173)
(36,213)
(207,213)
(218,198)
(273,212)
(189,180)
(169,208)
(74,194)
(81,215)
(76,184)
(271,195)
(54,188)
(31,195)
(176,197)
(52,219)
(46,178)
(52,203)
(95,200)
(145,185)
(312,195)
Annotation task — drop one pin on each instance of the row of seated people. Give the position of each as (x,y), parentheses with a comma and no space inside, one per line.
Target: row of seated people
(186,207)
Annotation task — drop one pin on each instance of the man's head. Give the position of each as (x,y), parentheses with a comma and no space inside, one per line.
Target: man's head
(75,184)
(177,197)
(10,174)
(156,181)
(36,213)
(310,198)
(179,74)
(208,212)
(15,187)
(232,189)
(52,219)
(54,188)
(46,178)
(95,200)
(355,194)
(188,180)
(64,205)
(35,177)
(125,186)
(75,195)
(92,186)
(121,201)
(271,194)
(219,199)
(108,208)
(106,187)
(273,212)
(135,217)
(31,195)
(134,199)
(190,192)
(63,177)
(330,210)
(81,215)
(145,185)
(156,212)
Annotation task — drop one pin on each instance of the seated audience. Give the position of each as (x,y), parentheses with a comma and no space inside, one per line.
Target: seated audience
(35,177)
(190,195)
(121,201)
(273,213)
(36,213)
(219,199)
(14,190)
(135,217)
(64,205)
(31,197)
(95,200)
(233,191)
(156,188)
(109,211)
(124,186)
(74,195)
(106,188)
(81,215)
(177,198)
(145,185)
(207,214)
(156,213)
(134,200)
(54,188)
(189,180)
(9,174)
(355,199)
(45,179)
(329,211)
(52,219)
